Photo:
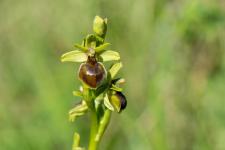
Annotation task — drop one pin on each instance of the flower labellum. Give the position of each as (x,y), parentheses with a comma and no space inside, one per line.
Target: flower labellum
(92,73)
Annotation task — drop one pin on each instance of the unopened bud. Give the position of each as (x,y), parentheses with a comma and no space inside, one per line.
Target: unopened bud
(100,26)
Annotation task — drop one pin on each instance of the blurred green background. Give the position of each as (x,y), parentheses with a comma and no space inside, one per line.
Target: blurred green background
(173,53)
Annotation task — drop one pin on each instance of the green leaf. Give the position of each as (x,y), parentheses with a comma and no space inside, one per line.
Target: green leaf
(85,49)
(74,56)
(114,69)
(107,103)
(110,55)
(101,47)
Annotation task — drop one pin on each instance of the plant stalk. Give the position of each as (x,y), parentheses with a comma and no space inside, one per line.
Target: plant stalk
(93,144)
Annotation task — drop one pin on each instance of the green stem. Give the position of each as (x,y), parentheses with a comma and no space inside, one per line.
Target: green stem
(93,144)
(103,124)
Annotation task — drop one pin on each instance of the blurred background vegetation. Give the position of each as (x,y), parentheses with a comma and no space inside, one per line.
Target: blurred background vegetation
(174,64)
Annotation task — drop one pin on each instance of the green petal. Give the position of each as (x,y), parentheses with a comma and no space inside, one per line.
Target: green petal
(110,55)
(118,81)
(85,49)
(114,69)
(107,103)
(115,88)
(74,56)
(101,47)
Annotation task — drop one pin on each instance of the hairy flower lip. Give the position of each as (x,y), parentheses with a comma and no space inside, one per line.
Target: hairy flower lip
(92,73)
(115,101)
(123,103)
(123,100)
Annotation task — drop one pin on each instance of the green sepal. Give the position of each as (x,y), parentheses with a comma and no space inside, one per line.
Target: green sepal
(74,56)
(115,88)
(80,47)
(107,103)
(73,116)
(102,47)
(77,93)
(115,102)
(109,55)
(77,111)
(114,69)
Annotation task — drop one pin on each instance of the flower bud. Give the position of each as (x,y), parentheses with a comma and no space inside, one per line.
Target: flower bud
(92,73)
(100,26)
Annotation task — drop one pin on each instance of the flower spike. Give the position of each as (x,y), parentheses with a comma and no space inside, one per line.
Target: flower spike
(100,92)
